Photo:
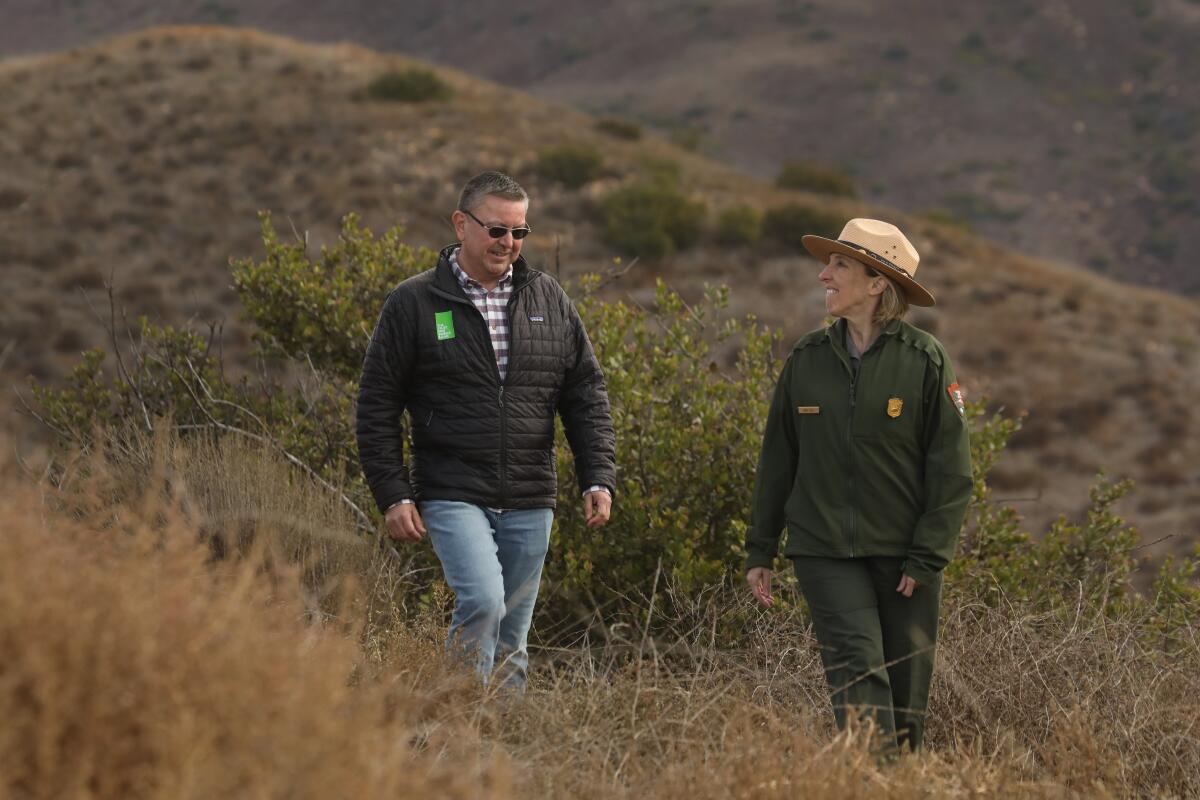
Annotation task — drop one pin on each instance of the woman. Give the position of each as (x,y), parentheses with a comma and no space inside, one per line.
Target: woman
(865,462)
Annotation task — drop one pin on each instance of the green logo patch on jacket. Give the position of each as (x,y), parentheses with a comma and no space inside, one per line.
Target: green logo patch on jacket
(444,320)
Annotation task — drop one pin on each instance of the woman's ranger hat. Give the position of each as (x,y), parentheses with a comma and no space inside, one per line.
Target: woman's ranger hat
(882,247)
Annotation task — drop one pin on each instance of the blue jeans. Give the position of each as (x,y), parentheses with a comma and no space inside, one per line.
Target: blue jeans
(493,563)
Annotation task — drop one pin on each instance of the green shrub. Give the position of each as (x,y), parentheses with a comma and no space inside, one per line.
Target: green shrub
(411,85)
(688,434)
(813,178)
(786,224)
(739,224)
(659,169)
(651,219)
(322,310)
(620,128)
(687,137)
(687,443)
(572,165)
(948,83)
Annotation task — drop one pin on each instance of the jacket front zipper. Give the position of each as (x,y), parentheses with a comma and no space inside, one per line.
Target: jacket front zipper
(851,483)
(499,381)
(503,444)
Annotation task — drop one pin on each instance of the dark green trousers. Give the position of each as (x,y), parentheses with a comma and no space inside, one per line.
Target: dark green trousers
(877,645)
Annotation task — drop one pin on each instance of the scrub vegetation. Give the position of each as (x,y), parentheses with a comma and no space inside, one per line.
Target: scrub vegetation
(574,166)
(141,162)
(814,178)
(413,85)
(195,599)
(651,218)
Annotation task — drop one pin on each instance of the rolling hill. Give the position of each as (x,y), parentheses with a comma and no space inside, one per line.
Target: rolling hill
(1066,130)
(145,159)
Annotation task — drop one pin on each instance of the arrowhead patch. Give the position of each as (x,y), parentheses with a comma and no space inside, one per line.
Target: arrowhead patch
(959,396)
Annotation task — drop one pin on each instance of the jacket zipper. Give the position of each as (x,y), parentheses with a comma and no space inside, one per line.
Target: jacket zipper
(852,484)
(503,444)
(499,381)
(512,351)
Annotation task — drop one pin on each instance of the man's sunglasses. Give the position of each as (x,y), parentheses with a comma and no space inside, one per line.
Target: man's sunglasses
(498,231)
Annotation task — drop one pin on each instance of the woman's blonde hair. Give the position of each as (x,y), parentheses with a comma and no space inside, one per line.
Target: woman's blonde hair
(892,303)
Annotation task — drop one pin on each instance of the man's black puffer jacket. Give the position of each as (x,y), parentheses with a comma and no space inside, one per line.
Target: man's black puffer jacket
(475,439)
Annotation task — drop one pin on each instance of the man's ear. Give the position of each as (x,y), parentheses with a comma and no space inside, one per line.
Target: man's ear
(459,220)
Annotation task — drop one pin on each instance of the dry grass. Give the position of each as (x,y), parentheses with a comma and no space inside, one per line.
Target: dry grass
(135,664)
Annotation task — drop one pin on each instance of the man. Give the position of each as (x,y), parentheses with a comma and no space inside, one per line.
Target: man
(482,350)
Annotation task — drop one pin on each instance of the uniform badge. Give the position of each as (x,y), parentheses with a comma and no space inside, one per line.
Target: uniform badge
(895,406)
(959,396)
(808,409)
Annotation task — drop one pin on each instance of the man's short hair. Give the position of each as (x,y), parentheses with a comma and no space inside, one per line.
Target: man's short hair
(490,184)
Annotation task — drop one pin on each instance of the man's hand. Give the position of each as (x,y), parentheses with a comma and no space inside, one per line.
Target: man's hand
(907,585)
(759,579)
(597,507)
(404,523)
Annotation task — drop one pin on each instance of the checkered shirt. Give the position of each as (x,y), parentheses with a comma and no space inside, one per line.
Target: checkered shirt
(492,305)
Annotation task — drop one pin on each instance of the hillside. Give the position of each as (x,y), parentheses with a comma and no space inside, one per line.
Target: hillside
(147,157)
(1064,130)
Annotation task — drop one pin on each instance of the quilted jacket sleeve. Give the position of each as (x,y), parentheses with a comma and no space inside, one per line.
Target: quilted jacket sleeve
(583,406)
(382,397)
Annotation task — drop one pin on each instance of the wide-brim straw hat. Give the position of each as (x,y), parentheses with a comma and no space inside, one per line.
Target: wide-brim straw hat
(882,247)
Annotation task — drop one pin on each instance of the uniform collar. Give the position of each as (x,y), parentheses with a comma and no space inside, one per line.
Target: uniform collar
(836,334)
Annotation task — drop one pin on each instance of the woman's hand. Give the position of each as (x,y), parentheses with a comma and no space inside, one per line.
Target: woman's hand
(759,579)
(907,585)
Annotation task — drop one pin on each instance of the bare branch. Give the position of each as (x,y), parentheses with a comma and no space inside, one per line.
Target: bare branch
(614,274)
(29,410)
(364,521)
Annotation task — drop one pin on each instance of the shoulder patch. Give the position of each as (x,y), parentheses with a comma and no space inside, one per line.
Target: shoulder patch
(959,396)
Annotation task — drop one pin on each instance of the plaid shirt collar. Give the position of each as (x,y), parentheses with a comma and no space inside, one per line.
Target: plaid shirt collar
(467,282)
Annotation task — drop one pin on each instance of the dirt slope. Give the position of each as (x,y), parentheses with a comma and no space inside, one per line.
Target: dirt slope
(1067,129)
(147,157)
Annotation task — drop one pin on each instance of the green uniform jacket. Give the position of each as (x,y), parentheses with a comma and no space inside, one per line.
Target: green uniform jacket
(874,466)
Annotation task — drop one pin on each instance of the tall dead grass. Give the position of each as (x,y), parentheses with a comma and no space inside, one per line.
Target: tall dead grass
(134,665)
(137,659)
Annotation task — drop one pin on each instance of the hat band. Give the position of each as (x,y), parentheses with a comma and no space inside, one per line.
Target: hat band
(878,258)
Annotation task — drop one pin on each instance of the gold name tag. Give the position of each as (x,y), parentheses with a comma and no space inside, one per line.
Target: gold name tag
(808,409)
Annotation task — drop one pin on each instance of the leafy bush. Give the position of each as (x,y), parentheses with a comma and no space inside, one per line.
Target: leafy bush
(739,224)
(687,443)
(412,85)
(814,178)
(687,137)
(688,433)
(574,166)
(620,128)
(788,223)
(651,219)
(323,310)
